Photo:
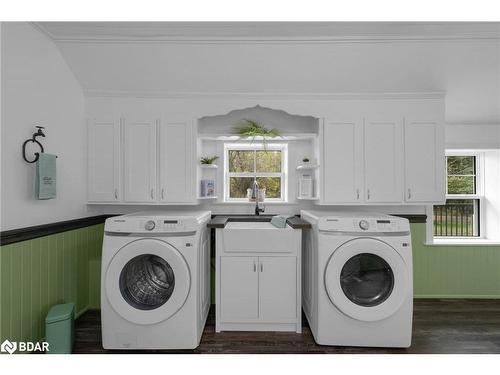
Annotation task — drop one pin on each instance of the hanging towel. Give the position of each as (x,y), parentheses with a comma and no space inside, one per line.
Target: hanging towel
(45,177)
(279,221)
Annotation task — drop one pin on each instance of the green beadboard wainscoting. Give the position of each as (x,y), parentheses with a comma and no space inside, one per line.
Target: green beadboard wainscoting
(454,271)
(39,273)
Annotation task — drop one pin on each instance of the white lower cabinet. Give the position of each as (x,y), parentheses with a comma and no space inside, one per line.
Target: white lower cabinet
(258,292)
(277,288)
(239,289)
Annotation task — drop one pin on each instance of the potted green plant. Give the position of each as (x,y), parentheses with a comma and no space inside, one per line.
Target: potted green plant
(208,160)
(252,129)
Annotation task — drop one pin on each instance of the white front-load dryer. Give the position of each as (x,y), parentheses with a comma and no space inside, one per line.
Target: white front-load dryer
(155,280)
(357,282)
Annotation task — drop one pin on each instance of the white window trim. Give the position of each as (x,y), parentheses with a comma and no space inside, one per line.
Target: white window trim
(283,147)
(480,183)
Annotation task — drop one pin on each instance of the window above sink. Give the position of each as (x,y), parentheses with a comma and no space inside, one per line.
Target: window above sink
(265,163)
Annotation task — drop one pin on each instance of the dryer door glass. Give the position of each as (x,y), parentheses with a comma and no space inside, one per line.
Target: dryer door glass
(367,279)
(147,282)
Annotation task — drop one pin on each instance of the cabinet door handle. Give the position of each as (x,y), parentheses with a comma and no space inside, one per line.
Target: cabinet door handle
(162,193)
(152,194)
(116,193)
(368,194)
(261,267)
(409,193)
(254,266)
(357,194)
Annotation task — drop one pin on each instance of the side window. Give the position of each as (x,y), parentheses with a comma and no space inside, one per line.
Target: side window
(460,216)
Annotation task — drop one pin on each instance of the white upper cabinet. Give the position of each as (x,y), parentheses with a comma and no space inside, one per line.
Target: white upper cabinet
(342,148)
(383,157)
(424,160)
(139,156)
(383,139)
(103,141)
(176,156)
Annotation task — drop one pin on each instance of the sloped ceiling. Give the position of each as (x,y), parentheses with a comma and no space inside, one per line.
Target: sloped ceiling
(462,59)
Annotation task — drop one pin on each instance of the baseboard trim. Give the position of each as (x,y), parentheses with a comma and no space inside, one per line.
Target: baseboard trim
(81,312)
(456,296)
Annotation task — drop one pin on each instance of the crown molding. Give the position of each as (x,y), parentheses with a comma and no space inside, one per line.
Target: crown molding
(234,33)
(263,95)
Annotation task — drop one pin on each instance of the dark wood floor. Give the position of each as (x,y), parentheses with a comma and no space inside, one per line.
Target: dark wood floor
(439,326)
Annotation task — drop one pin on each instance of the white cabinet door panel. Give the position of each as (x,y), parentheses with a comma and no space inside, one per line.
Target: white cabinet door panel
(424,161)
(103,138)
(342,161)
(139,154)
(177,169)
(277,288)
(239,291)
(383,160)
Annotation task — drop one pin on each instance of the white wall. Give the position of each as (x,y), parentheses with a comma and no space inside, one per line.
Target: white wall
(472,136)
(492,194)
(38,88)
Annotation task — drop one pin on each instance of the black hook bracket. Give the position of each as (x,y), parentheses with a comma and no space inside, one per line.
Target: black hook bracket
(38,133)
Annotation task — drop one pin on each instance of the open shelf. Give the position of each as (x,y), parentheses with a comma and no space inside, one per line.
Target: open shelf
(307,199)
(208,166)
(233,137)
(305,167)
(204,198)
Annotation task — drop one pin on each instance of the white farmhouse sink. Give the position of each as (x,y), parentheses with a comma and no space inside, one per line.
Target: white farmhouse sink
(252,236)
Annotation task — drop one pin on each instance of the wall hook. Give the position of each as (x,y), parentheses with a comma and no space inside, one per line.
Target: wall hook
(38,133)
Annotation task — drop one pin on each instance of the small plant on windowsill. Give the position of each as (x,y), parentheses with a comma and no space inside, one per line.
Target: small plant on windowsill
(208,160)
(254,129)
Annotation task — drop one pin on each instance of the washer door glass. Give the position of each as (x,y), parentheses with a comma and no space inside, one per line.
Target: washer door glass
(147,282)
(367,279)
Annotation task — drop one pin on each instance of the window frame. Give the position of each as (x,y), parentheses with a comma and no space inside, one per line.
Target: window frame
(479,194)
(250,146)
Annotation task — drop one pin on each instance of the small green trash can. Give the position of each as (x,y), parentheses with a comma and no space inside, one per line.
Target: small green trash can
(60,328)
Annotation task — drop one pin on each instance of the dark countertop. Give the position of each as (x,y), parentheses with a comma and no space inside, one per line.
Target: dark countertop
(220,221)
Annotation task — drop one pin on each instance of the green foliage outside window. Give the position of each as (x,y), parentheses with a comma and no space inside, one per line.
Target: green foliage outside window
(461,174)
(256,163)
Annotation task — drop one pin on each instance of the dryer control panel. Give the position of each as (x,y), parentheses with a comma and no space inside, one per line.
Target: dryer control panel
(361,224)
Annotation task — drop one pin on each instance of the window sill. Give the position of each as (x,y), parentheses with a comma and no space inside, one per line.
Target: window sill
(463,242)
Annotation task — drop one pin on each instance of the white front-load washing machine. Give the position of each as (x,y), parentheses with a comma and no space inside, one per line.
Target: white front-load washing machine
(358,279)
(155,280)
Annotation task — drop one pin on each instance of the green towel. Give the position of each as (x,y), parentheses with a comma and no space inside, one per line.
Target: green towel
(279,221)
(45,177)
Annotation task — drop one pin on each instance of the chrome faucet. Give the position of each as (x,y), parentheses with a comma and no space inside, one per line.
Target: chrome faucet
(255,195)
